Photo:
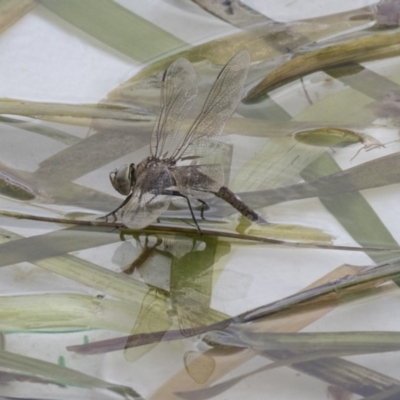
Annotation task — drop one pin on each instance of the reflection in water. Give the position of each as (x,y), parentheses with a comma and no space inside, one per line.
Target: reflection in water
(148,320)
(199,366)
(147,251)
(189,264)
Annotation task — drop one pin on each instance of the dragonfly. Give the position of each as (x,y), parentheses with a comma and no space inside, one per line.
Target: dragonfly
(151,185)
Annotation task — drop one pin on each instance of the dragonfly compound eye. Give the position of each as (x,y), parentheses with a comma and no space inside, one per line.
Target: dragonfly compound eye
(121,179)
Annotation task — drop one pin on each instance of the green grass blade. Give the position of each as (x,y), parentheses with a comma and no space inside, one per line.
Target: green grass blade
(351,342)
(54,244)
(54,311)
(116,27)
(351,209)
(58,374)
(12,11)
(41,129)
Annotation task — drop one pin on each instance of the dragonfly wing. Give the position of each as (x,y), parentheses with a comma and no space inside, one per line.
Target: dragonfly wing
(199,181)
(153,317)
(193,311)
(178,91)
(150,197)
(219,106)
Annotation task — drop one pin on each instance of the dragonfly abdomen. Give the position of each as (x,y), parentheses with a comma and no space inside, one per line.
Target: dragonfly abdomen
(227,195)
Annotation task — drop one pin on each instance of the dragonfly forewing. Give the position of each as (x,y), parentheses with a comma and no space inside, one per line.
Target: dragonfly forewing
(219,106)
(178,91)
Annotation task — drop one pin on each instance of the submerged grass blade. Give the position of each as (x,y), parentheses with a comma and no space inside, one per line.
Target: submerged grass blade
(345,374)
(277,164)
(14,185)
(235,13)
(92,153)
(92,275)
(362,49)
(388,394)
(53,244)
(77,310)
(295,233)
(42,110)
(190,295)
(261,41)
(58,374)
(350,342)
(225,363)
(107,281)
(337,289)
(170,229)
(335,371)
(204,394)
(351,209)
(40,129)
(116,27)
(328,137)
(339,372)
(53,311)
(12,11)
(372,174)
(365,81)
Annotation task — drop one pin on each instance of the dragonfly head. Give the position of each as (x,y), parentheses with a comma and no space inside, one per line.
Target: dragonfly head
(123,179)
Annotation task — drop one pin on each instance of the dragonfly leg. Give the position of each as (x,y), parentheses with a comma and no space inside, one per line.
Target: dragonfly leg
(204,206)
(176,193)
(143,256)
(118,208)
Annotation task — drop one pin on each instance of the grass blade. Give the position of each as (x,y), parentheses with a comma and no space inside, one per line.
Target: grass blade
(58,374)
(362,49)
(376,173)
(12,11)
(53,311)
(116,27)
(351,209)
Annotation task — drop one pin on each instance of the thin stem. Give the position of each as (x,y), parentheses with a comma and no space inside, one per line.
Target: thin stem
(193,231)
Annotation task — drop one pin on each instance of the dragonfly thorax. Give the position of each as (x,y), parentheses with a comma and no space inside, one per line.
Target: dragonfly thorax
(123,179)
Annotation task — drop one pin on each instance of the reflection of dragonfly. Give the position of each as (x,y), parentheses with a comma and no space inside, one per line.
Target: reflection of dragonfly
(153,316)
(151,184)
(189,291)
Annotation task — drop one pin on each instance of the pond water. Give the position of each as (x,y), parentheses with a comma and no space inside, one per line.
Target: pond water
(301,307)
